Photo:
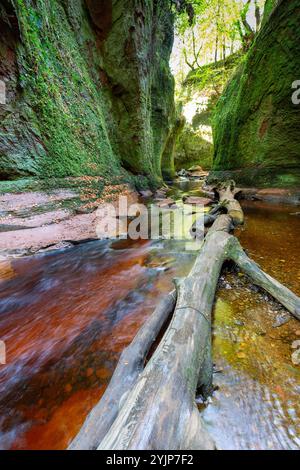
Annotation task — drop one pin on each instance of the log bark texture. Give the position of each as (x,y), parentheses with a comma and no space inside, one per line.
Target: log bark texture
(153,407)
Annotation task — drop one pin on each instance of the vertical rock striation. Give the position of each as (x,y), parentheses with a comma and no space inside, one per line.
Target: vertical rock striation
(89,89)
(256,129)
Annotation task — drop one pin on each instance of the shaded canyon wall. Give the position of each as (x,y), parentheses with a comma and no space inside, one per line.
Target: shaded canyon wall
(88,87)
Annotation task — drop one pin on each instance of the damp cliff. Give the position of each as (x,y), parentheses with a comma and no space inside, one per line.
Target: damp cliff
(88,88)
(256,125)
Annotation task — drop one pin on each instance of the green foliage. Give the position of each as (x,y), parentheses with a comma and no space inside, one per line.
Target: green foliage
(205,84)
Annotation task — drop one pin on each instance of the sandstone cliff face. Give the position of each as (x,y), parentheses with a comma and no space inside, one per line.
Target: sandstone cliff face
(256,132)
(89,90)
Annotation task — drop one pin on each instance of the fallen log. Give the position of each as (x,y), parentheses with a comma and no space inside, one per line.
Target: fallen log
(130,365)
(160,412)
(209,218)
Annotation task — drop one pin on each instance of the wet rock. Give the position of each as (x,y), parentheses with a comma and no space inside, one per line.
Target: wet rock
(160,194)
(57,246)
(195,168)
(241,355)
(84,210)
(198,174)
(165,203)
(194,200)
(281,320)
(92,37)
(296,353)
(183,178)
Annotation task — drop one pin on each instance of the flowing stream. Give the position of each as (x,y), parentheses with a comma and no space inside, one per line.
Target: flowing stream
(66,316)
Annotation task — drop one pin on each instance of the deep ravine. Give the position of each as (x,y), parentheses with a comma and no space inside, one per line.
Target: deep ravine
(69,315)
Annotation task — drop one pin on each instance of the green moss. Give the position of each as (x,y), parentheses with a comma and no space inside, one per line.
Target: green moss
(194,144)
(192,149)
(215,74)
(256,125)
(57,84)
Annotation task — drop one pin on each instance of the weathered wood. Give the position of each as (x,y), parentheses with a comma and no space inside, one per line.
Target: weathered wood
(161,412)
(281,293)
(130,365)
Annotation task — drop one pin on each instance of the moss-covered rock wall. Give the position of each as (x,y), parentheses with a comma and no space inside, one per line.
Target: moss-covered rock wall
(256,129)
(89,90)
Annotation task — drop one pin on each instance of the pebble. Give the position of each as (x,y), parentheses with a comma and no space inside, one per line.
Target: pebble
(281,320)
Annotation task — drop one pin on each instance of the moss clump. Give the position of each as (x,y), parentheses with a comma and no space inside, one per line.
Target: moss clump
(256,125)
(215,74)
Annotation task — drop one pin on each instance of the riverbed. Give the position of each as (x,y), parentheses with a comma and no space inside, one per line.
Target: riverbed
(66,316)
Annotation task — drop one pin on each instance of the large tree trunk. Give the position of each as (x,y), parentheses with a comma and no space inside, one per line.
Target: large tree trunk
(161,412)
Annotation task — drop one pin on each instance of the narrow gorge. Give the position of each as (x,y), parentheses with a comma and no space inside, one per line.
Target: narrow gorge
(149,225)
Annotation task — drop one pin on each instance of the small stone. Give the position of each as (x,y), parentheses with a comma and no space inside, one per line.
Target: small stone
(281,320)
(146,194)
(201,201)
(182,172)
(261,333)
(165,203)
(195,168)
(103,374)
